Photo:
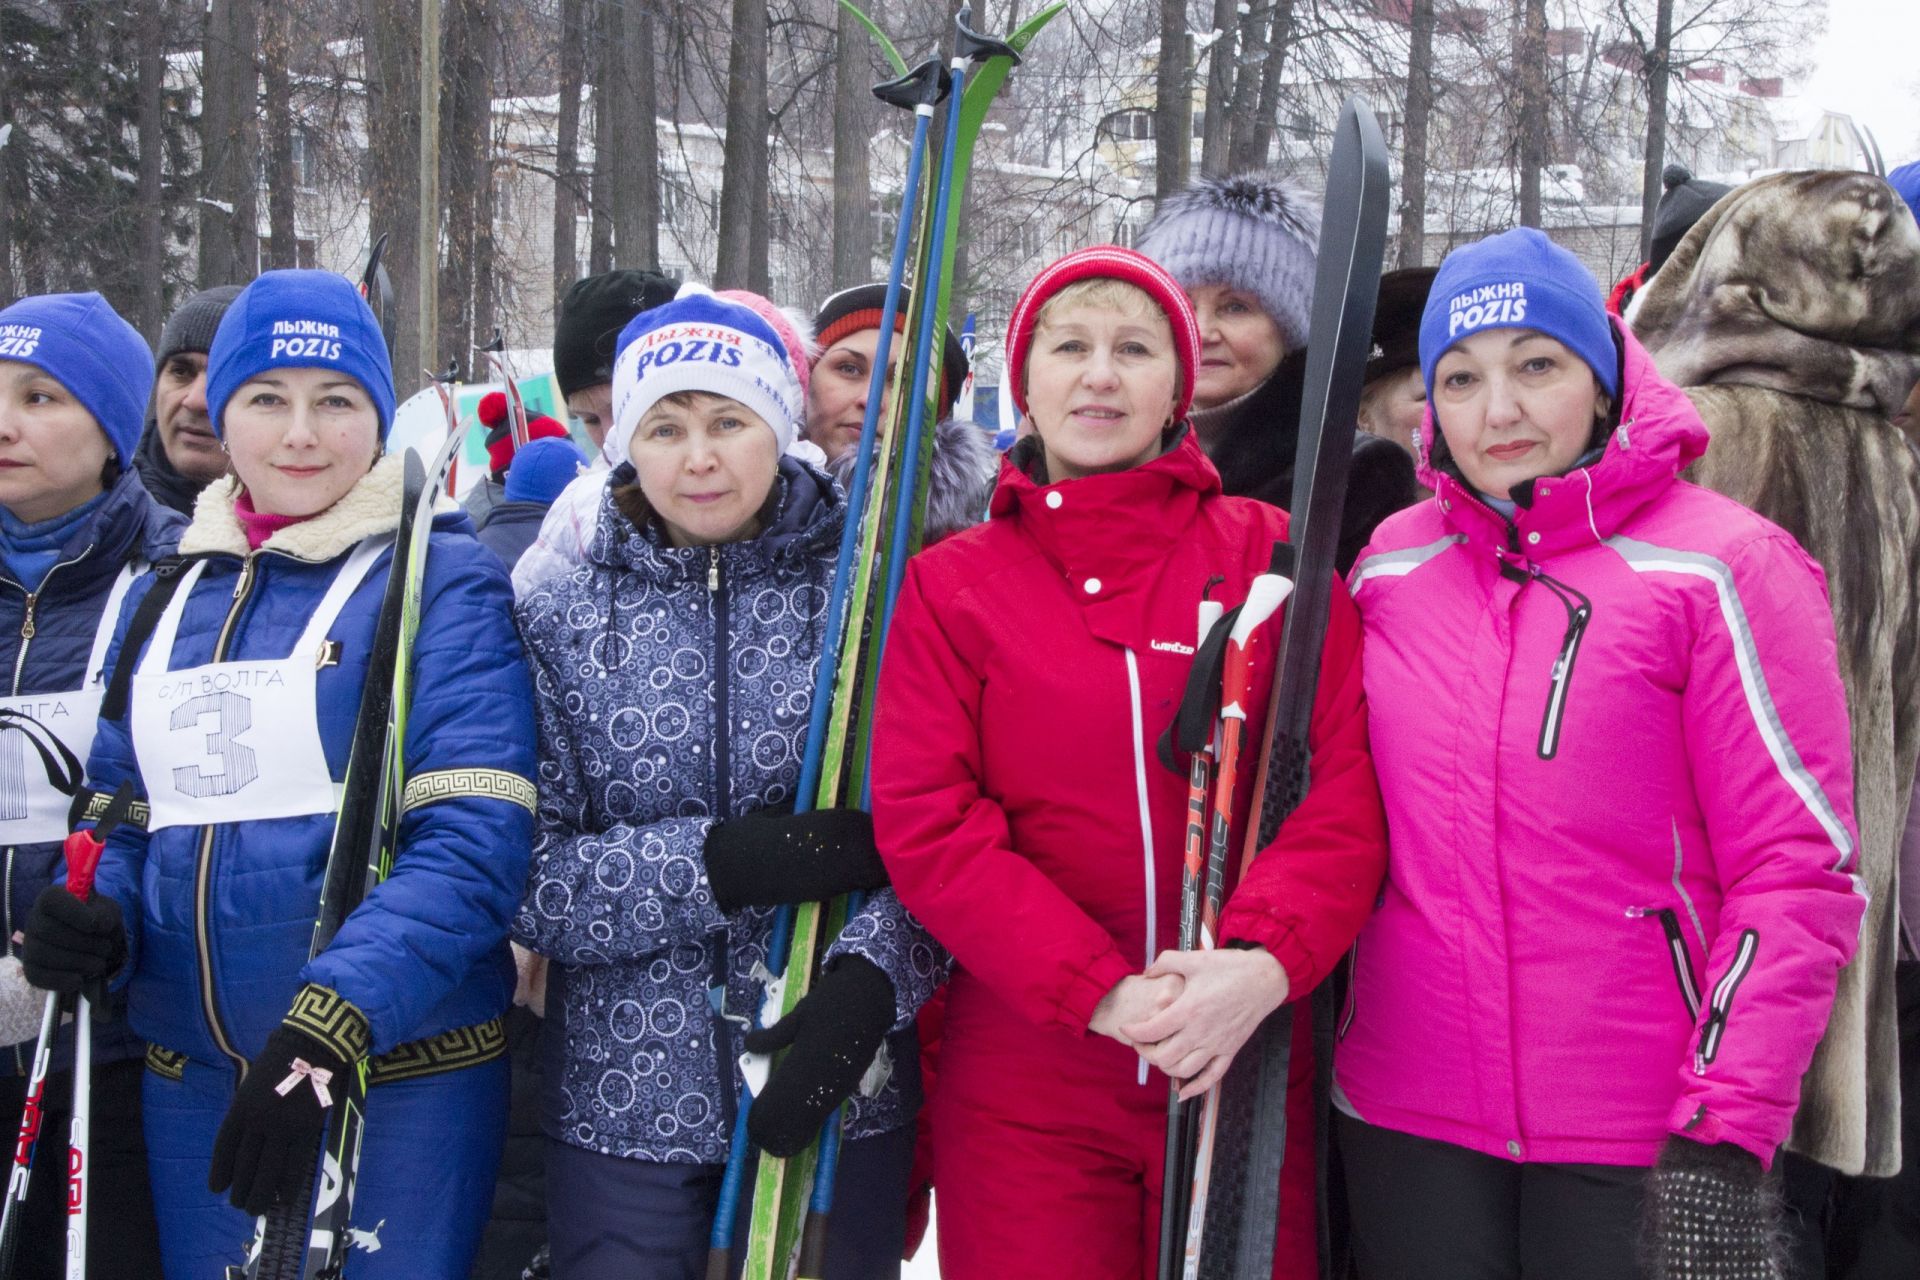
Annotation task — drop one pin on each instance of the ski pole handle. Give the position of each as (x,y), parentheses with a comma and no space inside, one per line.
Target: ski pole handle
(1264,598)
(82,851)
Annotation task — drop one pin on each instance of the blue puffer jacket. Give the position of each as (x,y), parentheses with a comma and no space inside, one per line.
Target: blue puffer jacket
(65,611)
(426,952)
(659,672)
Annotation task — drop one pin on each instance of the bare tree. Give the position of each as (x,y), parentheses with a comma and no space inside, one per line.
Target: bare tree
(1172,102)
(276,52)
(605,141)
(393,166)
(230,144)
(852,199)
(631,107)
(742,259)
(1215,128)
(566,162)
(1530,69)
(152,126)
(466,172)
(1413,156)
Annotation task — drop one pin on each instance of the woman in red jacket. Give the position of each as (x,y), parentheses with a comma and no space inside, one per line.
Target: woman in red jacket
(1032,662)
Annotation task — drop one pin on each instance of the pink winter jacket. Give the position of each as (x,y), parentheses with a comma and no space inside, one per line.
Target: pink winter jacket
(1613,747)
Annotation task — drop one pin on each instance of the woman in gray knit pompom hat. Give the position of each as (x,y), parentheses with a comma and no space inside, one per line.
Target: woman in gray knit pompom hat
(1243,248)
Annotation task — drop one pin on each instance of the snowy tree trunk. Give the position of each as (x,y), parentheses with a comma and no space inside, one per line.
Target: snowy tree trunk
(631,107)
(1216,131)
(275,51)
(1659,65)
(229,144)
(743,189)
(393,165)
(1413,155)
(606,67)
(566,159)
(1530,53)
(1172,102)
(852,186)
(152,127)
(465,168)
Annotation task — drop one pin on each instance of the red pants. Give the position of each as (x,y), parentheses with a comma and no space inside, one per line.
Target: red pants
(1048,1152)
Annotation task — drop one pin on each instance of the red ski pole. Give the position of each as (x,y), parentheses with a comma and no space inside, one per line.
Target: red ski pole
(1264,598)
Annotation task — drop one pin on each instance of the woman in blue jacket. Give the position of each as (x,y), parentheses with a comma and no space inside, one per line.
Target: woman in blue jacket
(76,529)
(673,677)
(235,733)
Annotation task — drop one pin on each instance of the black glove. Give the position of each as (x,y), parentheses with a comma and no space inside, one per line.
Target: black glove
(834,1032)
(276,1122)
(73,946)
(771,859)
(1711,1212)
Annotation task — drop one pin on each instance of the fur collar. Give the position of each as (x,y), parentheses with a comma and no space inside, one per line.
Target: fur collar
(371,507)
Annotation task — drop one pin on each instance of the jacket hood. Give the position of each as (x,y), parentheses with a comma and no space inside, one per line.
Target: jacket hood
(958,486)
(806,515)
(1807,283)
(371,507)
(1659,433)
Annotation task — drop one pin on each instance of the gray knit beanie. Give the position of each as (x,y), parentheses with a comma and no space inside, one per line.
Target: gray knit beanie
(1253,231)
(192,325)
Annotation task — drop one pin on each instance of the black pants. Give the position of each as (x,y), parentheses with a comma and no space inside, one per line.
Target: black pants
(616,1219)
(122,1240)
(1865,1228)
(1426,1210)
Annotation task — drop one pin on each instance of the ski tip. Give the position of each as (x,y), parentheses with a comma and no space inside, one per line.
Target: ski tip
(1285,561)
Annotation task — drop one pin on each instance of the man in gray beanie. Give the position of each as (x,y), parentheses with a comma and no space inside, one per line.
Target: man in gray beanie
(1243,247)
(179,455)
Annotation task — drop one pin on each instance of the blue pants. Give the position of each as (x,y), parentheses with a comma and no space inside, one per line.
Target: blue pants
(610,1218)
(426,1173)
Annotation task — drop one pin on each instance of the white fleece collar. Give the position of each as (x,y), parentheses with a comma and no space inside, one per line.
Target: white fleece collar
(371,507)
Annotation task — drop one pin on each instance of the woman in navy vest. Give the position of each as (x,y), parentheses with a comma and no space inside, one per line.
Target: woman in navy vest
(76,528)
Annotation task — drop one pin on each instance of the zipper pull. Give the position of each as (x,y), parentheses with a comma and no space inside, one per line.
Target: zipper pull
(713,569)
(26,623)
(246,576)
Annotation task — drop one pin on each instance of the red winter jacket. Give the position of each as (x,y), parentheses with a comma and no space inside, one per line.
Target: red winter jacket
(1032,664)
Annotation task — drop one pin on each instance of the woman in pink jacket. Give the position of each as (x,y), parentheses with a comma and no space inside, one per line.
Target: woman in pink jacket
(1610,733)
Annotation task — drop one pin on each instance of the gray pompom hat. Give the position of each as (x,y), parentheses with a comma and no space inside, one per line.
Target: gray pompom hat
(1252,231)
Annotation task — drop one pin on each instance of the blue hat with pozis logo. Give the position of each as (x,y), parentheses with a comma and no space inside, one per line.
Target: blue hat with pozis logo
(81,342)
(1518,279)
(299,320)
(703,342)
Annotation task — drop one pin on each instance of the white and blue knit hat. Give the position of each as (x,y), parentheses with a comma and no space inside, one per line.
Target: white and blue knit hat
(704,342)
(1256,232)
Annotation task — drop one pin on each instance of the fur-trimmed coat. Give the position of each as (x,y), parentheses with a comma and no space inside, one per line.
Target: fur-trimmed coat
(1791,315)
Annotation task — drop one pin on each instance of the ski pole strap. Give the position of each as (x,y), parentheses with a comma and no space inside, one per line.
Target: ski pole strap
(63,768)
(1200,704)
(166,581)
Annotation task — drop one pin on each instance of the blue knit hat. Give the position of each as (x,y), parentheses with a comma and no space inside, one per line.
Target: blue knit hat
(81,342)
(1518,279)
(542,469)
(1906,181)
(298,320)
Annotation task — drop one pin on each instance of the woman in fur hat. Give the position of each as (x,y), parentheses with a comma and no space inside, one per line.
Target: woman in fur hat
(1031,662)
(1243,248)
(1613,746)
(1791,315)
(235,732)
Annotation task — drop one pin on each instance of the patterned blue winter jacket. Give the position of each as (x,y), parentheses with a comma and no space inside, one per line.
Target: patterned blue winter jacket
(220,919)
(45,640)
(639,657)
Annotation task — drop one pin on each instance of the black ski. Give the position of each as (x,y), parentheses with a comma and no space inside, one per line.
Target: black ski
(1242,1217)
(308,1237)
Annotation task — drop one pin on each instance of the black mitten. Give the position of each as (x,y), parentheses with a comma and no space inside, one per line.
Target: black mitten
(278,1116)
(73,946)
(830,1038)
(1711,1214)
(772,859)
